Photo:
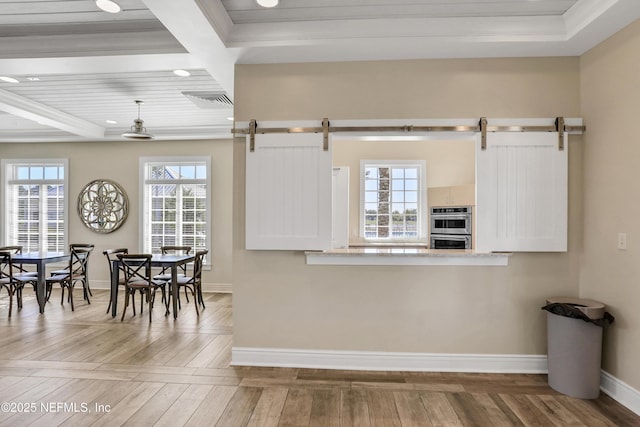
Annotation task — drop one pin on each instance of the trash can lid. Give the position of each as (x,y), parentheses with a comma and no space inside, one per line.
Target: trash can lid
(592,309)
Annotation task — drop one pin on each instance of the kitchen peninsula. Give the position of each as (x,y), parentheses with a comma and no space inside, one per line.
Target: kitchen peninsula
(405,256)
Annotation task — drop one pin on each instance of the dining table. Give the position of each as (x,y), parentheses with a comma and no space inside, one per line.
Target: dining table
(40,259)
(171,262)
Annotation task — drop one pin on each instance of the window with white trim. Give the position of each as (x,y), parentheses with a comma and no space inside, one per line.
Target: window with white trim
(35,204)
(176,203)
(393,200)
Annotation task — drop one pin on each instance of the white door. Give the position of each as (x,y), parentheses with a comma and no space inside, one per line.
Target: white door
(521,187)
(288,192)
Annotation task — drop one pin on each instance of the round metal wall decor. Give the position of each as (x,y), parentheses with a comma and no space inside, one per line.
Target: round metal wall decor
(103,206)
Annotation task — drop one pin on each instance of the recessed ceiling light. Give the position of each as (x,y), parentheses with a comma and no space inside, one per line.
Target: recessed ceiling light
(108,6)
(9,79)
(33,79)
(111,122)
(181,73)
(229,118)
(267,3)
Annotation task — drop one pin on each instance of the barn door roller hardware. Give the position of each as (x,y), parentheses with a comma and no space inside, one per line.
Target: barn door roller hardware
(252,135)
(483,127)
(560,130)
(253,129)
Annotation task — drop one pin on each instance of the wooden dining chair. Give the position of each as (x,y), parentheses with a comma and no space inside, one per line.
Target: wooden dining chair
(15,250)
(137,274)
(67,278)
(12,280)
(112,255)
(165,273)
(86,290)
(194,283)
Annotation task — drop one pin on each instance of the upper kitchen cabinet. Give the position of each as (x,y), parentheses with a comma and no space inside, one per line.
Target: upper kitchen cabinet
(455,195)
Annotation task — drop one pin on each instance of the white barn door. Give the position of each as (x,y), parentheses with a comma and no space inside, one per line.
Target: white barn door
(521,186)
(288,192)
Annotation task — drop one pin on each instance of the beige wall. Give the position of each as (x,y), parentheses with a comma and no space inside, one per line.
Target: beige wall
(610,90)
(119,161)
(280,302)
(449,163)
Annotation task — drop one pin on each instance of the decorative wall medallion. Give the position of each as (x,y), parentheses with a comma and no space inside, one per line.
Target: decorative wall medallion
(103,206)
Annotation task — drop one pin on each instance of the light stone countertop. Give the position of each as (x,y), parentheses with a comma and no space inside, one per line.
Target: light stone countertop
(405,256)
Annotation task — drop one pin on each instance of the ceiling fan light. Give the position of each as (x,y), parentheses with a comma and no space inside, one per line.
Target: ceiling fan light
(267,3)
(138,135)
(108,6)
(138,131)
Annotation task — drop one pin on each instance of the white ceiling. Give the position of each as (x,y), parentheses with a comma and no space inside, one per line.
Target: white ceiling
(79,66)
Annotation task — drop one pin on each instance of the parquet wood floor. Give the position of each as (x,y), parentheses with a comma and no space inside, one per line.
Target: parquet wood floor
(84,368)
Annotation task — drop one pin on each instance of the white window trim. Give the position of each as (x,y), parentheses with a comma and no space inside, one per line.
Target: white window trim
(422,198)
(5,165)
(144,209)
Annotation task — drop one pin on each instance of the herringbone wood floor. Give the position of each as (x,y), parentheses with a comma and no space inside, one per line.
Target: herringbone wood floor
(85,368)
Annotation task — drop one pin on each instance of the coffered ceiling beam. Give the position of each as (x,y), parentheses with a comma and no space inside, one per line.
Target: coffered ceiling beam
(99,64)
(31,110)
(189,25)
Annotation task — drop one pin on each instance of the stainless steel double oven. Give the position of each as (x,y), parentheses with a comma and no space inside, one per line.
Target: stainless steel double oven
(451,227)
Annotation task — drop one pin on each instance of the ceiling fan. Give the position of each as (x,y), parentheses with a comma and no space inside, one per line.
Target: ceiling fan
(137,131)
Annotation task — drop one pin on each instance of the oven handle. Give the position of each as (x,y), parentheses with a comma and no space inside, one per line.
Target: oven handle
(441,216)
(451,236)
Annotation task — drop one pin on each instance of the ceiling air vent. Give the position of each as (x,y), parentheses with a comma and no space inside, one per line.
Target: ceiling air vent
(209,100)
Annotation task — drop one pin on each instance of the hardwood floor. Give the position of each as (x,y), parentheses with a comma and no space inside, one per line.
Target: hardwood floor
(85,368)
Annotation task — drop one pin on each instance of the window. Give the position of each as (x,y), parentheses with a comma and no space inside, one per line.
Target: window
(393,200)
(35,204)
(175,206)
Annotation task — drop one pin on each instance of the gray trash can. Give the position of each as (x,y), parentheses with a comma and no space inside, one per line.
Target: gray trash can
(574,345)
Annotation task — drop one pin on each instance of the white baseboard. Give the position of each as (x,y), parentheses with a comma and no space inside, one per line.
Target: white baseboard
(425,362)
(620,391)
(219,288)
(224,288)
(388,361)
